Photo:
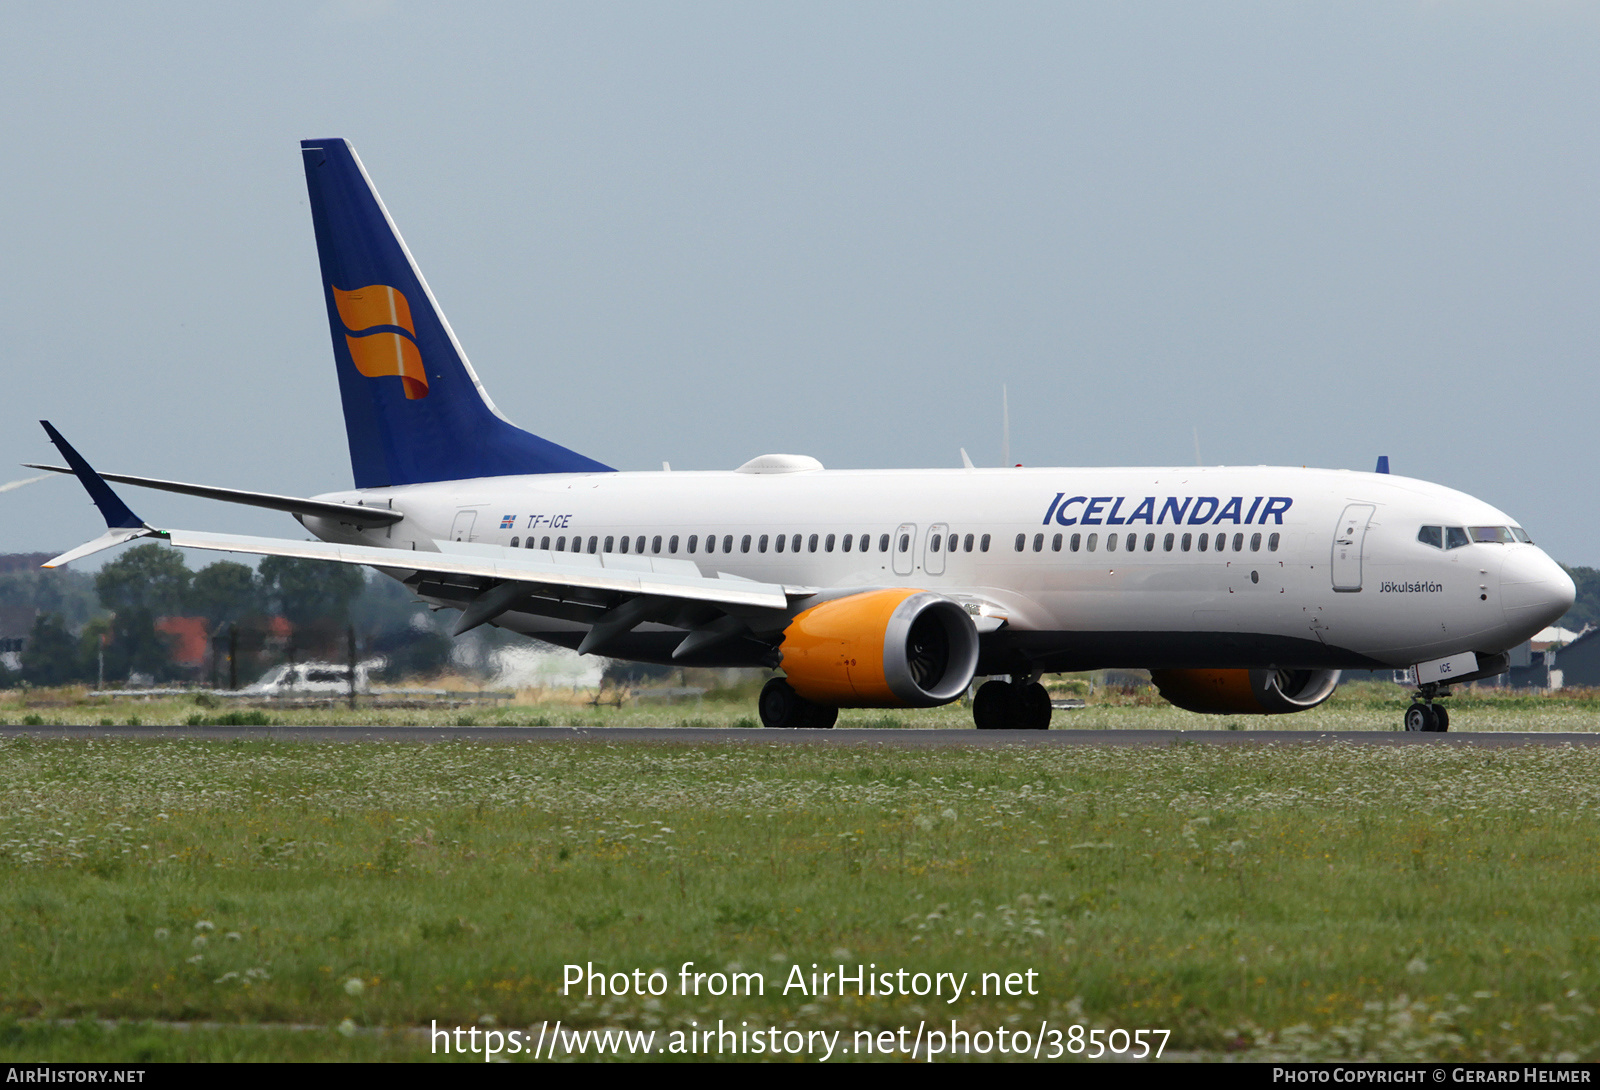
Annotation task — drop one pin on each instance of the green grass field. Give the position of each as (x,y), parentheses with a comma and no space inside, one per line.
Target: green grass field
(299,901)
(1358,706)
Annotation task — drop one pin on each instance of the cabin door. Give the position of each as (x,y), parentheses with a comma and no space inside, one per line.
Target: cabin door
(1348,538)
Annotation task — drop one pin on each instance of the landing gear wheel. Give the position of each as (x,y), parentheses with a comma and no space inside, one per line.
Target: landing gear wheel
(1001,705)
(1032,707)
(818,717)
(1420,717)
(1441,718)
(781,706)
(990,705)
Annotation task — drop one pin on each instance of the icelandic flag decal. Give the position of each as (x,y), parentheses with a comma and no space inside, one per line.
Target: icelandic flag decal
(508,522)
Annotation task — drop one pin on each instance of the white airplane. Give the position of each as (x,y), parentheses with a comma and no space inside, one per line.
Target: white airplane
(1242,590)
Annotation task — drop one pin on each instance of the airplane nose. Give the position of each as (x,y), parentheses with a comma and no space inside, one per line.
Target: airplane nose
(1534,591)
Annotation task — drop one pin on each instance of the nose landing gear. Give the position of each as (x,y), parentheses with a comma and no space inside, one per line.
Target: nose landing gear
(1424,714)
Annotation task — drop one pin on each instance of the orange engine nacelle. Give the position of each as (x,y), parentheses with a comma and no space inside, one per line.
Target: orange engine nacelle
(881,649)
(1245,692)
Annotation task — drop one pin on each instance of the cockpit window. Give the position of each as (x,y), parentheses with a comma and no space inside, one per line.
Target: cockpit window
(1432,535)
(1455,537)
(1499,534)
(1521,535)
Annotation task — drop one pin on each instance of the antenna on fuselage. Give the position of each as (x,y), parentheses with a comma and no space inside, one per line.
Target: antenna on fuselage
(1005,427)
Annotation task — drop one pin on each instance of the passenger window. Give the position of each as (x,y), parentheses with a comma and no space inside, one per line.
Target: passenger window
(561,544)
(638,544)
(1188,539)
(1455,537)
(794,543)
(782,540)
(933,542)
(610,542)
(1038,543)
(516,542)
(593,542)
(1201,544)
(744,544)
(845,544)
(1077,540)
(827,544)
(1166,544)
(1149,543)
(655,545)
(905,542)
(983,544)
(969,543)
(1272,543)
(1021,540)
(1255,543)
(1238,543)
(761,545)
(1111,543)
(672,544)
(544,542)
(1092,539)
(1055,544)
(883,543)
(711,543)
(624,544)
(727,543)
(811,544)
(694,540)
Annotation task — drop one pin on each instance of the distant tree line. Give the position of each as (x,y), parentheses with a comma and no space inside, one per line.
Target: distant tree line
(1586,610)
(108,623)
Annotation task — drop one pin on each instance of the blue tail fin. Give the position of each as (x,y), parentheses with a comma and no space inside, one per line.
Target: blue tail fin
(414,411)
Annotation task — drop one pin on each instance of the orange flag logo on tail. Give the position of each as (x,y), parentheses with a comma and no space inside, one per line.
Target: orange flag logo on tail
(386,352)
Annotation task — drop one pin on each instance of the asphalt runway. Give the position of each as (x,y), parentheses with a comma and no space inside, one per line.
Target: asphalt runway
(858,736)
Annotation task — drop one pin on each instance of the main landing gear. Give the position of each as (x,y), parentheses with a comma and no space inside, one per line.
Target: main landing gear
(1020,704)
(1424,714)
(781,706)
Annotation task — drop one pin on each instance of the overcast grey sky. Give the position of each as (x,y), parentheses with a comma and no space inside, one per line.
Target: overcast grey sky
(700,232)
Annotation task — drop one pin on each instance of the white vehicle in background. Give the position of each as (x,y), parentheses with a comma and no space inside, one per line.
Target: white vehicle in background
(313,679)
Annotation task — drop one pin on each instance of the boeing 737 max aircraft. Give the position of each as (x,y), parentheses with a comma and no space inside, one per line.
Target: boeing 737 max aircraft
(1241,590)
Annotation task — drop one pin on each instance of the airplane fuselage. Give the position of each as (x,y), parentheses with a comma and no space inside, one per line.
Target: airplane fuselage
(1150,567)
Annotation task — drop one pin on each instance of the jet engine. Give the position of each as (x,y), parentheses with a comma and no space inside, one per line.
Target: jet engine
(881,649)
(1245,692)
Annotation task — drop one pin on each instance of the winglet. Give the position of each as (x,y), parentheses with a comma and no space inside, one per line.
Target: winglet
(1383,464)
(121,523)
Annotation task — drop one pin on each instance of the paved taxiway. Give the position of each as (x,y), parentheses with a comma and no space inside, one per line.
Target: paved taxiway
(899,739)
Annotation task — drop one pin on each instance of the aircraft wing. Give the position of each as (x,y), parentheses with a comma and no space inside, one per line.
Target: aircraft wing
(572,571)
(612,593)
(352,513)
